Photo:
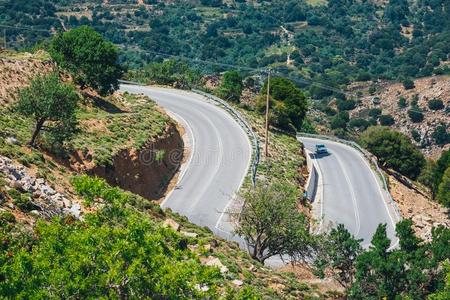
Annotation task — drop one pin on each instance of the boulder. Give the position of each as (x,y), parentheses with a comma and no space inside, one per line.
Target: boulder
(189,234)
(237,282)
(11,140)
(215,262)
(75,210)
(172,224)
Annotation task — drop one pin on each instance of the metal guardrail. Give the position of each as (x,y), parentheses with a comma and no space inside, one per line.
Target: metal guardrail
(238,117)
(370,157)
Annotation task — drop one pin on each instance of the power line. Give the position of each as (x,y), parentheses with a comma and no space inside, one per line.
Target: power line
(197,60)
(25,28)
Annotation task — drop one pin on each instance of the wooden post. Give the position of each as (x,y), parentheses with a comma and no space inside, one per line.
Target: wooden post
(266,151)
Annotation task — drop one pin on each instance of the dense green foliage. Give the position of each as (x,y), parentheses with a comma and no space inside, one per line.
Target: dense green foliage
(334,43)
(231,86)
(436,104)
(394,150)
(271,224)
(46,100)
(438,185)
(168,72)
(440,135)
(116,252)
(443,192)
(415,114)
(337,254)
(386,120)
(410,272)
(89,58)
(287,103)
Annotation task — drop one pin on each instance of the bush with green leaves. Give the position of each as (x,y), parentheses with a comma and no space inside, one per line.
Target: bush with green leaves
(169,72)
(393,150)
(375,112)
(411,271)
(442,164)
(52,105)
(402,102)
(343,104)
(337,254)
(361,124)
(436,104)
(231,87)
(415,114)
(416,135)
(270,223)
(443,190)
(6,218)
(440,135)
(408,84)
(115,253)
(21,200)
(89,58)
(386,120)
(340,120)
(288,105)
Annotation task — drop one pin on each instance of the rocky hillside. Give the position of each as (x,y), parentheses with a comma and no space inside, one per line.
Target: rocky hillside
(386,96)
(17,69)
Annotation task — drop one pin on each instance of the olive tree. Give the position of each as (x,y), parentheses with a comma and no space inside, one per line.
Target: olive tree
(337,255)
(231,86)
(90,59)
(394,150)
(271,224)
(51,104)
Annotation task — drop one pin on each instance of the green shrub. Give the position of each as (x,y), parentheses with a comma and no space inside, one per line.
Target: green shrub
(6,218)
(436,104)
(394,150)
(345,104)
(92,188)
(440,135)
(362,124)
(21,200)
(415,115)
(386,120)
(416,135)
(340,120)
(402,102)
(375,112)
(408,84)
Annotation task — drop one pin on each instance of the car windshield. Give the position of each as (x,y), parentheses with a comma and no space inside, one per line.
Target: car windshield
(320,146)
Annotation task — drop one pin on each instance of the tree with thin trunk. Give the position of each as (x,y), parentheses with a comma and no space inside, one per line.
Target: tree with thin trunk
(271,224)
(337,254)
(51,104)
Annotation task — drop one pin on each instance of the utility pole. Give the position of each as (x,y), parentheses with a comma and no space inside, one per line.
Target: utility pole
(266,151)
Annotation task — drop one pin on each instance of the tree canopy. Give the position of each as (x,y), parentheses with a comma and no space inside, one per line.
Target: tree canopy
(89,58)
(51,104)
(288,105)
(231,86)
(393,150)
(271,225)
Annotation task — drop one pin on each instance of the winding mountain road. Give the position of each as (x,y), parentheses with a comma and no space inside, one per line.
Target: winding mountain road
(219,158)
(350,192)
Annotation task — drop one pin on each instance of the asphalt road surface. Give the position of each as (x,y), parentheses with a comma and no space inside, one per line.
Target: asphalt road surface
(352,193)
(218,162)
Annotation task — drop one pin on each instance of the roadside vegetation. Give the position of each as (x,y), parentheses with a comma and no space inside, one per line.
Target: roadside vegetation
(126,246)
